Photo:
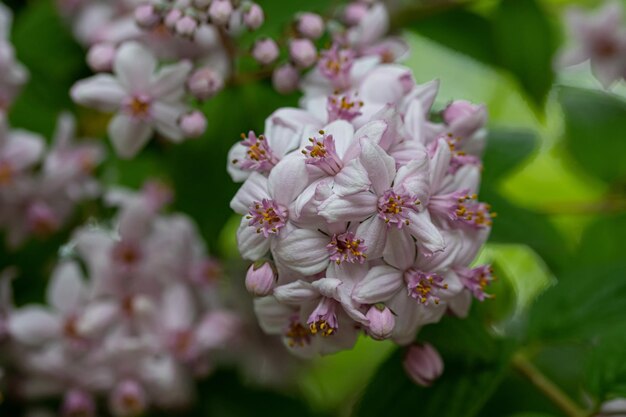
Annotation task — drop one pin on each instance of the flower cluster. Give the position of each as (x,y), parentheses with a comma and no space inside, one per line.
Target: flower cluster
(137,331)
(360,29)
(12,74)
(40,188)
(600,38)
(359,211)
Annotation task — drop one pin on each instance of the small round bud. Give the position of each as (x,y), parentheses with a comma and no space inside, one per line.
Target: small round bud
(260,278)
(146,16)
(204,83)
(382,322)
(458,109)
(78,403)
(423,364)
(303,52)
(41,220)
(265,51)
(354,13)
(254,17)
(220,11)
(100,57)
(193,124)
(285,78)
(186,26)
(310,25)
(172,17)
(128,399)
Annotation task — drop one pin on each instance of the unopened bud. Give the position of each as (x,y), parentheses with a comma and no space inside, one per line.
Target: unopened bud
(128,399)
(172,17)
(100,57)
(382,322)
(310,25)
(265,51)
(423,364)
(78,403)
(260,278)
(254,17)
(285,79)
(302,52)
(146,16)
(220,11)
(193,124)
(186,26)
(354,13)
(458,109)
(205,83)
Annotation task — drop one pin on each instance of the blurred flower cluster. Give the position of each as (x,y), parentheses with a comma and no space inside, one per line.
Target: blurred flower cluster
(600,38)
(360,211)
(132,315)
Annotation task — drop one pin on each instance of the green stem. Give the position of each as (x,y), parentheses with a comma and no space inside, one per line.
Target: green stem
(547,387)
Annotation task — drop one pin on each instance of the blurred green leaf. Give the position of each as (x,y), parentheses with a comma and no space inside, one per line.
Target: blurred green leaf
(606,368)
(602,241)
(595,123)
(586,303)
(506,149)
(475,363)
(55,61)
(525,45)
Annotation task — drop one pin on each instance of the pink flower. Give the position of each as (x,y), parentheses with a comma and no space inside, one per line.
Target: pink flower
(423,364)
(145,99)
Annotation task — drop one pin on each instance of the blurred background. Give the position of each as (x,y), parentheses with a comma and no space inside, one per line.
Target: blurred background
(554,171)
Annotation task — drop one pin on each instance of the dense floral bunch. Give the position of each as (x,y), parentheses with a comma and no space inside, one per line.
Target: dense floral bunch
(137,331)
(359,211)
(12,74)
(600,38)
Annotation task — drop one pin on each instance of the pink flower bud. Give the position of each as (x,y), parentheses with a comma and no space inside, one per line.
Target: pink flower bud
(220,11)
(100,57)
(458,109)
(265,51)
(381,320)
(146,16)
(310,25)
(193,124)
(205,83)
(186,26)
(78,403)
(254,17)
(41,219)
(260,278)
(354,13)
(285,79)
(172,17)
(302,52)
(423,364)
(128,399)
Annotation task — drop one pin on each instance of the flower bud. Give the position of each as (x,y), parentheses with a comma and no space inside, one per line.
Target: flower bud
(423,364)
(204,83)
(303,52)
(100,57)
(172,17)
(254,17)
(78,403)
(193,124)
(458,109)
(354,13)
(217,329)
(186,26)
(128,399)
(310,25)
(220,11)
(146,16)
(41,219)
(381,321)
(285,79)
(265,51)
(260,278)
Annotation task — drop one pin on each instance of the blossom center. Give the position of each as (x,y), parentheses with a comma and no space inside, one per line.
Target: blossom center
(323,154)
(323,319)
(464,208)
(6,173)
(347,248)
(395,208)
(138,106)
(259,155)
(344,108)
(297,334)
(126,254)
(424,287)
(267,216)
(335,64)
(476,280)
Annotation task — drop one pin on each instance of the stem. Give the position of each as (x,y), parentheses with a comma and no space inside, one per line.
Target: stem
(547,387)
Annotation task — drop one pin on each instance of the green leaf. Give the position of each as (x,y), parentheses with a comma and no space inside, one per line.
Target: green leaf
(602,241)
(586,303)
(595,123)
(506,149)
(525,45)
(475,362)
(606,368)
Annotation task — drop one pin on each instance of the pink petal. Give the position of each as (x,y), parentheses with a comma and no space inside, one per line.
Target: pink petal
(380,284)
(128,135)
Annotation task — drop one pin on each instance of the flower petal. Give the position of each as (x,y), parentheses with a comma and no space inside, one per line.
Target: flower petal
(354,207)
(380,284)
(253,189)
(296,293)
(102,92)
(303,251)
(380,167)
(66,289)
(128,135)
(134,66)
(33,325)
(374,233)
(252,245)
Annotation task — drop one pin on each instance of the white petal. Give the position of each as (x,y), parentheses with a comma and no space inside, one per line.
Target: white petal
(355,207)
(351,179)
(254,189)
(166,117)
(303,251)
(128,135)
(288,179)
(34,325)
(380,167)
(380,284)
(102,92)
(169,82)
(134,66)
(66,290)
(428,236)
(373,231)
(178,308)
(273,316)
(252,245)
(400,249)
(296,293)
